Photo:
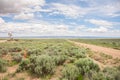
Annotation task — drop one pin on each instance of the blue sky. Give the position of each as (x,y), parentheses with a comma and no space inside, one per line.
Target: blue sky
(60,18)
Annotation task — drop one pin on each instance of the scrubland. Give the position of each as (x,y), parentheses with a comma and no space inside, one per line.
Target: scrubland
(55,59)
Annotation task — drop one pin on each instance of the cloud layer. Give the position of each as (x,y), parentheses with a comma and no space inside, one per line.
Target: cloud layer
(17,6)
(60,18)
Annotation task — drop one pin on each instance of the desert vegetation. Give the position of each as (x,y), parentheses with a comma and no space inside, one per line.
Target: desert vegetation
(112,43)
(52,59)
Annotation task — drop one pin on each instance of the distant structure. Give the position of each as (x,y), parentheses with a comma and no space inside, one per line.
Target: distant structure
(10,35)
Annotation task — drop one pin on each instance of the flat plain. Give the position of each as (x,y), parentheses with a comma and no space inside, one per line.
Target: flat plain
(59,59)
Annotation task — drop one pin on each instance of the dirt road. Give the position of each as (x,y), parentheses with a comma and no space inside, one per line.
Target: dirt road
(109,51)
(1,41)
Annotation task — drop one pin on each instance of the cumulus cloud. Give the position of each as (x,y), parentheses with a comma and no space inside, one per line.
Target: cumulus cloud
(24,16)
(105,8)
(101,26)
(72,22)
(93,8)
(80,28)
(100,22)
(18,6)
(44,28)
(99,29)
(62,27)
(72,11)
(109,9)
(1,21)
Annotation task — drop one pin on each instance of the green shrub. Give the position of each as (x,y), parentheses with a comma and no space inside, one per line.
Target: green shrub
(5,78)
(12,63)
(98,76)
(3,65)
(106,74)
(42,64)
(78,53)
(3,51)
(85,65)
(24,65)
(111,73)
(34,51)
(17,57)
(73,51)
(71,59)
(15,49)
(70,72)
(59,59)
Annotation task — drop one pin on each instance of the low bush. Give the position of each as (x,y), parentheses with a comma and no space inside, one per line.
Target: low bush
(70,72)
(3,51)
(34,51)
(98,76)
(85,65)
(71,59)
(111,73)
(15,49)
(12,63)
(24,65)
(106,74)
(17,57)
(4,78)
(3,65)
(42,65)
(78,53)
(59,59)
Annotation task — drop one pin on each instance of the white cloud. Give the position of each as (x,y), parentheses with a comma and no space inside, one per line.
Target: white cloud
(43,28)
(24,16)
(1,21)
(40,28)
(111,9)
(99,29)
(104,8)
(100,22)
(95,8)
(18,6)
(31,9)
(62,27)
(102,26)
(68,10)
(107,8)
(72,11)
(80,28)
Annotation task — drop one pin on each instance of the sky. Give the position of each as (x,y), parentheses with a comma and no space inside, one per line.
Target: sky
(99,18)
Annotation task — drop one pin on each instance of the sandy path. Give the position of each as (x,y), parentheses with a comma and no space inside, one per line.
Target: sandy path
(109,51)
(1,41)
(10,70)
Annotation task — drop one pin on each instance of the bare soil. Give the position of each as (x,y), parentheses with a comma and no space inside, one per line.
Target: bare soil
(2,41)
